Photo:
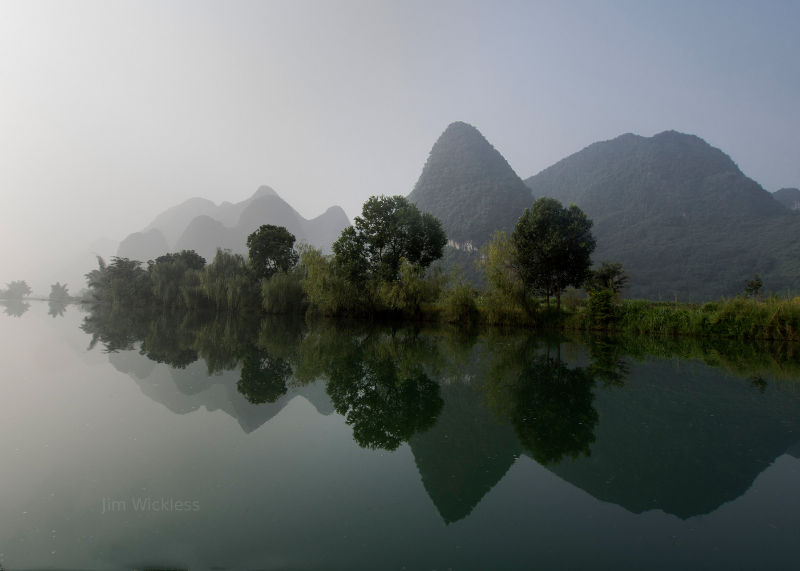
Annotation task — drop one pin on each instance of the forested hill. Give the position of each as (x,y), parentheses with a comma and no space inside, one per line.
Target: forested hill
(680,216)
(468,185)
(789,197)
(203,226)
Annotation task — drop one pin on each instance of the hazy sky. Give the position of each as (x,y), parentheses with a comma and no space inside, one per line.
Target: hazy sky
(112,111)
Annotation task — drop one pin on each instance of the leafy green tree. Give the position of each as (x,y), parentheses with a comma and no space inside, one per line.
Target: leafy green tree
(271,250)
(604,286)
(505,297)
(17,290)
(283,293)
(226,282)
(168,275)
(389,229)
(122,282)
(553,247)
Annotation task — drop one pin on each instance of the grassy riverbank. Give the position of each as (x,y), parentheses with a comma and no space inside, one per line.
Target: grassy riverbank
(735,318)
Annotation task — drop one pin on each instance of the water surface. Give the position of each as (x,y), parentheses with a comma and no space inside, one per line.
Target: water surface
(193,442)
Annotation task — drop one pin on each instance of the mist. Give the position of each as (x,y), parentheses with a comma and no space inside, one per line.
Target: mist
(112,112)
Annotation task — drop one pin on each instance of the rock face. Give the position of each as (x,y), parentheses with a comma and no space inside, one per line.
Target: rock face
(199,224)
(470,187)
(679,214)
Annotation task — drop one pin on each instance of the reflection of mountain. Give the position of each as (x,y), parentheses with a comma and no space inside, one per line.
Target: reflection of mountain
(465,454)
(189,389)
(683,440)
(200,225)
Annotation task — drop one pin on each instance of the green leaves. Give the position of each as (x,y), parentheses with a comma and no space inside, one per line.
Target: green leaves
(271,250)
(553,246)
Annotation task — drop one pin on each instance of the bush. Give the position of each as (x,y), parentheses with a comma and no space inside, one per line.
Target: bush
(458,304)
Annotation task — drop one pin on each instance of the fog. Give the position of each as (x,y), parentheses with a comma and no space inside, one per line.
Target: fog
(111,112)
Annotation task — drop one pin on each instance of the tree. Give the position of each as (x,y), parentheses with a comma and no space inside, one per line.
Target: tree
(609,276)
(58,292)
(171,274)
(271,250)
(389,229)
(553,246)
(17,290)
(753,287)
(226,283)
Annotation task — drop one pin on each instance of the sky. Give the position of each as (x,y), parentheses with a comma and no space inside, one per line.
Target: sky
(113,111)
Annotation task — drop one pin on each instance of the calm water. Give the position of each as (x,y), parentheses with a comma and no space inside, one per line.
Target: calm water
(191,443)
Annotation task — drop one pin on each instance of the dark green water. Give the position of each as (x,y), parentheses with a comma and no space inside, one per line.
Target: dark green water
(133,442)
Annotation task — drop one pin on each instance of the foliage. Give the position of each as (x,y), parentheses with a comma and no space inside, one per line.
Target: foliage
(412,288)
(458,301)
(389,230)
(122,282)
(753,287)
(173,278)
(16,290)
(505,299)
(283,293)
(552,247)
(271,250)
(226,282)
(602,308)
(58,292)
(328,290)
(609,276)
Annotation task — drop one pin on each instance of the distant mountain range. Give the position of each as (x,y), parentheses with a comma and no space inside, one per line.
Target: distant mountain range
(677,212)
(200,225)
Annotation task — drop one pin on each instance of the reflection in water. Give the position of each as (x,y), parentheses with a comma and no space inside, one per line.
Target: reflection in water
(683,432)
(14,307)
(549,404)
(56,308)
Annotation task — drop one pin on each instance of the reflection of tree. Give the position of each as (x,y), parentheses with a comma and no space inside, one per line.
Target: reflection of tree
(14,307)
(554,414)
(549,404)
(115,329)
(263,378)
(169,340)
(56,308)
(607,365)
(376,381)
(385,410)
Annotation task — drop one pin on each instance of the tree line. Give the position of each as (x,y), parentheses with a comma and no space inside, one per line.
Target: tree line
(382,264)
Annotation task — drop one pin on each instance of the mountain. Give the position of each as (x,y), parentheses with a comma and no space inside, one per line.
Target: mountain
(789,197)
(199,224)
(679,214)
(143,245)
(468,185)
